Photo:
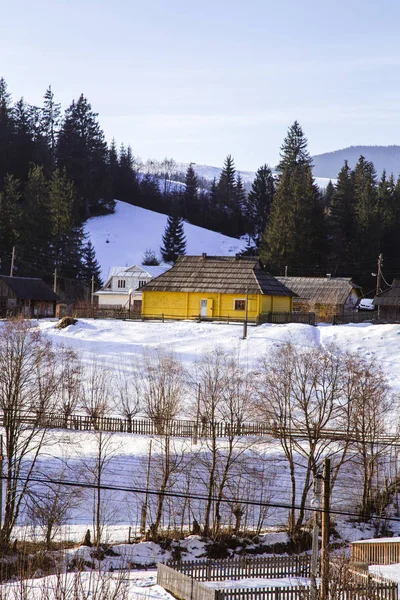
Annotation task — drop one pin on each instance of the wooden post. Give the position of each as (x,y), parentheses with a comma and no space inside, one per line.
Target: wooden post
(144,507)
(12,262)
(55,281)
(92,291)
(326,492)
(314,554)
(246,315)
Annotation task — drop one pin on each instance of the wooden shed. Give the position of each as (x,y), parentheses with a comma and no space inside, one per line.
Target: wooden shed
(29,296)
(215,287)
(376,551)
(388,303)
(325,296)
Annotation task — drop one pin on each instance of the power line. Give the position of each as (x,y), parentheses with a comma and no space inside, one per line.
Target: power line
(191,496)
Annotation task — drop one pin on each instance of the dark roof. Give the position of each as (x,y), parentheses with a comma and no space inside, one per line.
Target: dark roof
(320,290)
(30,288)
(218,274)
(391,296)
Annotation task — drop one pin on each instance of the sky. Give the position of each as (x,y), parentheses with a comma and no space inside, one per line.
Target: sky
(197,81)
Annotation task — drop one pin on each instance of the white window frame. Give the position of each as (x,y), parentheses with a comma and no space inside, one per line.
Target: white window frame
(239,300)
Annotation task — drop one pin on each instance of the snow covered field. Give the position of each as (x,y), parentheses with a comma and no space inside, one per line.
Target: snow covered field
(121,239)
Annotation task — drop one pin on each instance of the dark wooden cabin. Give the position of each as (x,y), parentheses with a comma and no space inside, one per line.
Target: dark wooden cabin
(388,303)
(26,296)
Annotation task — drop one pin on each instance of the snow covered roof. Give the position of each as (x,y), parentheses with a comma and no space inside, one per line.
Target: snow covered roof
(218,274)
(152,270)
(321,290)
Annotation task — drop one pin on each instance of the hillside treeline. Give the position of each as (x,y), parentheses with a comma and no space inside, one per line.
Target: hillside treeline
(57,170)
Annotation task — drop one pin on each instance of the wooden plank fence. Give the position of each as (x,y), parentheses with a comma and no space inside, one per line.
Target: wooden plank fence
(186,580)
(179,427)
(241,568)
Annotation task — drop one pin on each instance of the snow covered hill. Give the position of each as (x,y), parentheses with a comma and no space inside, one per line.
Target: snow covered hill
(120,239)
(209,173)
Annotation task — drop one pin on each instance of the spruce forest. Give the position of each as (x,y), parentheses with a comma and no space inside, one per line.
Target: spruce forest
(57,170)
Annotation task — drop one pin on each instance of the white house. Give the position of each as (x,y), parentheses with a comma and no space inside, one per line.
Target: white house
(122,288)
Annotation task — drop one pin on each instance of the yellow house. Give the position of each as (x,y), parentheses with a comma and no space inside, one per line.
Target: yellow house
(215,287)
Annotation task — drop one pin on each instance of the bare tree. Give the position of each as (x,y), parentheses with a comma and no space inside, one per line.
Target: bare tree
(162,389)
(49,506)
(304,393)
(225,391)
(97,393)
(27,385)
(69,388)
(128,392)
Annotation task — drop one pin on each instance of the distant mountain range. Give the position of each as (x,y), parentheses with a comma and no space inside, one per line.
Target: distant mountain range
(383,157)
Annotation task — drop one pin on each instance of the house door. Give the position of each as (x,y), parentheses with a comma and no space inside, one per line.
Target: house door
(203,308)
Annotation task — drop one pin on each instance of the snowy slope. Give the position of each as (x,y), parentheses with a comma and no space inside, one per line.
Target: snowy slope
(209,172)
(122,238)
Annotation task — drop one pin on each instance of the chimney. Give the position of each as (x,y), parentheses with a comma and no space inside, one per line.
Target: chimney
(204,255)
(328,275)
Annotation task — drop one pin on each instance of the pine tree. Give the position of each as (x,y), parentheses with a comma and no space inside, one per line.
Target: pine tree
(174,241)
(90,266)
(63,222)
(23,143)
(294,152)
(295,234)
(259,202)
(191,194)
(9,219)
(327,195)
(150,258)
(342,218)
(365,208)
(6,132)
(228,203)
(128,188)
(82,151)
(35,240)
(50,123)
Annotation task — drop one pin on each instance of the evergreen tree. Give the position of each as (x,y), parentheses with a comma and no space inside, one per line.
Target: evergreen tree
(241,194)
(9,220)
(191,194)
(50,124)
(327,195)
(90,266)
(35,239)
(150,258)
(259,202)
(82,151)
(174,241)
(127,188)
(113,165)
(342,218)
(295,234)
(365,207)
(228,204)
(63,226)
(23,143)
(294,152)
(6,132)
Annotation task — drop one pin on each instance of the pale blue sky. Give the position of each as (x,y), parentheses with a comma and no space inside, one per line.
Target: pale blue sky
(198,80)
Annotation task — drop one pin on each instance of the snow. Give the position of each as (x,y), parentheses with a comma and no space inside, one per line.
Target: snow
(389,571)
(259,582)
(122,237)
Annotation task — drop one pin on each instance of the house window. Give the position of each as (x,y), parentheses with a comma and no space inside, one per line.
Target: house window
(121,283)
(142,282)
(239,304)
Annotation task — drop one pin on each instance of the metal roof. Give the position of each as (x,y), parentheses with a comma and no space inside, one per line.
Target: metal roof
(389,297)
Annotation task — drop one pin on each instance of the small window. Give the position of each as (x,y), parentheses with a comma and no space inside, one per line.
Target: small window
(142,282)
(239,304)
(121,283)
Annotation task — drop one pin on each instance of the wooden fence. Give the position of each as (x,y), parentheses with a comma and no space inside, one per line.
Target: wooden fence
(183,586)
(355,317)
(241,568)
(182,428)
(376,552)
(280,318)
(182,580)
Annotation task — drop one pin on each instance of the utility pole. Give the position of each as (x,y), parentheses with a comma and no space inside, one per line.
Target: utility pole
(92,292)
(197,424)
(378,275)
(55,281)
(12,262)
(286,271)
(325,522)
(316,502)
(1,480)
(246,315)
